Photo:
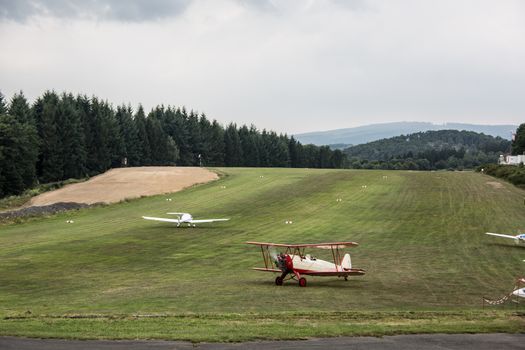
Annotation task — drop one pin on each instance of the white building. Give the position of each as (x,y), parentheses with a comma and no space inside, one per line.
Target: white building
(511,160)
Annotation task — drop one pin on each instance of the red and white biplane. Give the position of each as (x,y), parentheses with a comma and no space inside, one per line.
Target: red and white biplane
(296,264)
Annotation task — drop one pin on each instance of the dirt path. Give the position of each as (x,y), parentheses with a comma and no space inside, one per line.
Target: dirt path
(118,184)
(398,342)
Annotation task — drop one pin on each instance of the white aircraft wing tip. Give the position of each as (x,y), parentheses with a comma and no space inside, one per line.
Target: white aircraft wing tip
(499,235)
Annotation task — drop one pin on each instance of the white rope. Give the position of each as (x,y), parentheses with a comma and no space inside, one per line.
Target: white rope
(497,302)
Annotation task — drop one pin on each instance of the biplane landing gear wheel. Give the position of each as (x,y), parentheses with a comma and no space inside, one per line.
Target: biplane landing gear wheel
(279,281)
(302,282)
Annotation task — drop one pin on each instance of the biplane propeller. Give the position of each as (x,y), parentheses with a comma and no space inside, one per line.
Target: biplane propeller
(183,218)
(294,263)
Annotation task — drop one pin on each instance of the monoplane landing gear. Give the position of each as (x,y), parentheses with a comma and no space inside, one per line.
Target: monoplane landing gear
(302,282)
(346,278)
(279,281)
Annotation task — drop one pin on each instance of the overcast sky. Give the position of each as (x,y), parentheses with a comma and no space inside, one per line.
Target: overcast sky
(291,66)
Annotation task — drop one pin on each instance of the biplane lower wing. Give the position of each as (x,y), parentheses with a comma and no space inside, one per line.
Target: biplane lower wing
(266,270)
(352,272)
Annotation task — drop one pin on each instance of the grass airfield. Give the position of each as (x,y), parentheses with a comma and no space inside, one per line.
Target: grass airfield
(111,274)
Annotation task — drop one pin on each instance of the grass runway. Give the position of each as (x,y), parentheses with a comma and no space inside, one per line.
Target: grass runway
(421,242)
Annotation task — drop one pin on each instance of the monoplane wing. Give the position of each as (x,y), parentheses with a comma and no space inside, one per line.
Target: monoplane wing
(206,220)
(500,235)
(161,219)
(330,245)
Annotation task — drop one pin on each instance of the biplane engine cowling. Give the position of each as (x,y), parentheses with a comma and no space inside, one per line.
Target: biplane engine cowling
(289,262)
(284,262)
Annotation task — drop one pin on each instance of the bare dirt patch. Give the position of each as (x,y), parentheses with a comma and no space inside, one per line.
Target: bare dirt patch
(124,183)
(494,184)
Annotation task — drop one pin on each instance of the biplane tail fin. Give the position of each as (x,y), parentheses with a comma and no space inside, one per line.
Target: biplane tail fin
(346,263)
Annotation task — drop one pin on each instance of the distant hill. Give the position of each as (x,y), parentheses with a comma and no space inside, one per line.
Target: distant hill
(368,133)
(428,150)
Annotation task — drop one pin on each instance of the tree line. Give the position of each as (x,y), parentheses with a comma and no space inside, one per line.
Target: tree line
(430,150)
(518,141)
(62,136)
(511,173)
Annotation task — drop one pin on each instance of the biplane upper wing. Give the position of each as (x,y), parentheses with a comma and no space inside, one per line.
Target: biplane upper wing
(329,245)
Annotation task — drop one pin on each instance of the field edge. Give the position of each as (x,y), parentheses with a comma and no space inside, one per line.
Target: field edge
(260,326)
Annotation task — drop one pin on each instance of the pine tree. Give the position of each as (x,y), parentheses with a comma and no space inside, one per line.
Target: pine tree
(129,135)
(278,150)
(83,108)
(300,161)
(98,159)
(216,148)
(144,149)
(250,151)
(18,154)
(232,146)
(172,151)
(206,134)
(72,135)
(3,105)
(163,149)
(11,181)
(292,150)
(182,137)
(324,157)
(105,148)
(19,108)
(116,145)
(337,159)
(264,144)
(311,154)
(50,163)
(518,144)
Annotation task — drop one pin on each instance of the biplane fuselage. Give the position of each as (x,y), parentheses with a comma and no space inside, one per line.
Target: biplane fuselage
(310,265)
(294,263)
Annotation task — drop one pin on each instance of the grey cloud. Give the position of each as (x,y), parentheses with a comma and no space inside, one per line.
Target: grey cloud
(120,10)
(354,5)
(264,5)
(275,5)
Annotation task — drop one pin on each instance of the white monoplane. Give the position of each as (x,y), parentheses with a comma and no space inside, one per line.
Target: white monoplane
(518,239)
(183,218)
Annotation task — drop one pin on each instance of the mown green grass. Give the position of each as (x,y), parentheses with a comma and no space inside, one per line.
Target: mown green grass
(244,327)
(420,233)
